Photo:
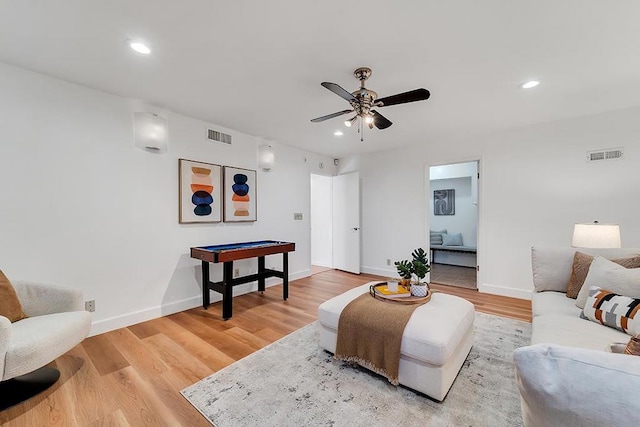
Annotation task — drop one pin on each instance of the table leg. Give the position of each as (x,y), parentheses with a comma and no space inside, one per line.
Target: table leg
(227,290)
(285,275)
(261,272)
(205,285)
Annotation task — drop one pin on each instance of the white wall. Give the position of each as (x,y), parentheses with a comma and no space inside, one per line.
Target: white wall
(465,219)
(321,223)
(534,185)
(82,207)
(455,170)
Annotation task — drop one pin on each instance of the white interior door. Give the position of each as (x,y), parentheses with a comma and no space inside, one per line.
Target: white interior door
(321,220)
(346,222)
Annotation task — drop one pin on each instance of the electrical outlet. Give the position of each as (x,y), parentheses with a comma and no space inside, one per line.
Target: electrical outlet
(388,261)
(297,216)
(90,305)
(236,272)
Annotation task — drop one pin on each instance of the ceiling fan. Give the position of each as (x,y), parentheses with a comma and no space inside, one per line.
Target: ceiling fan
(363,100)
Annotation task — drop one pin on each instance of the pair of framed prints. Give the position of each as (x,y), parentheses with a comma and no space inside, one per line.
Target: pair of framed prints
(214,193)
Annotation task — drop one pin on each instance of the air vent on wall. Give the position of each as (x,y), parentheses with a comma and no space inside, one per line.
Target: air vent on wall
(605,154)
(214,135)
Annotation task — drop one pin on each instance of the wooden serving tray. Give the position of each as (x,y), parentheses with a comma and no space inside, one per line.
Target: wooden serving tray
(401,300)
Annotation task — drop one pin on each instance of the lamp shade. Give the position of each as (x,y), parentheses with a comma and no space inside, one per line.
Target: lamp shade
(595,235)
(266,157)
(151,132)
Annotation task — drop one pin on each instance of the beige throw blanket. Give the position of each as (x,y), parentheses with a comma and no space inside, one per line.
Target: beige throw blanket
(370,332)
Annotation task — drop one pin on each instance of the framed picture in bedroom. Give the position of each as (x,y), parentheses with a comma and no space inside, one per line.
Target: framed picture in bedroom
(200,192)
(240,195)
(444,202)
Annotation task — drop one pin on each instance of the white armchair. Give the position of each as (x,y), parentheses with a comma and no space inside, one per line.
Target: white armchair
(55,324)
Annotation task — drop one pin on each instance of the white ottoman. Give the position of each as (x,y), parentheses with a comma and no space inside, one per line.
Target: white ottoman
(435,342)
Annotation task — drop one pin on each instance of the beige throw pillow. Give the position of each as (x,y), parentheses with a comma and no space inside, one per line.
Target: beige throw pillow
(10,306)
(611,276)
(580,269)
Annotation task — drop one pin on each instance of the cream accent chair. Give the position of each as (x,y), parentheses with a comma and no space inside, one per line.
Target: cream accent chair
(55,324)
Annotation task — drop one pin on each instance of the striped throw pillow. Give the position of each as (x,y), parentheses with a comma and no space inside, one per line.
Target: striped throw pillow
(612,310)
(435,237)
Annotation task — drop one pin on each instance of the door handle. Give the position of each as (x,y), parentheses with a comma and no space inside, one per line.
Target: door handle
(356,228)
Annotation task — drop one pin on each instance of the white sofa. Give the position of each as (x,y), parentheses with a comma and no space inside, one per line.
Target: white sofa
(567,377)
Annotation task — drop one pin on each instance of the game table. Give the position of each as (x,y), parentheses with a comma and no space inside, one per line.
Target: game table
(228,253)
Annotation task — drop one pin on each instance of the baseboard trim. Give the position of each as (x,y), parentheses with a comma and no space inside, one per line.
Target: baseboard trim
(379,271)
(505,291)
(485,288)
(322,264)
(392,272)
(124,320)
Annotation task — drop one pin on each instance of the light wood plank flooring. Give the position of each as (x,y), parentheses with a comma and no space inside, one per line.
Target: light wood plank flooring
(132,376)
(454,275)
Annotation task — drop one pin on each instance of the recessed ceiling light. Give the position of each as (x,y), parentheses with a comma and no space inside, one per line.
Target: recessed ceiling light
(530,84)
(140,47)
(338,133)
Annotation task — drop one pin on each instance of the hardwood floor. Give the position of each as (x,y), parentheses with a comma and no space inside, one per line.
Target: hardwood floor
(454,275)
(133,376)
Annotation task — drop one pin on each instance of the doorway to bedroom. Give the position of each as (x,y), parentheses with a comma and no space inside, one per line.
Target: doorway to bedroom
(453,224)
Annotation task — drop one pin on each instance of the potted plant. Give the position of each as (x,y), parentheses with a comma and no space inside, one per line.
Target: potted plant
(405,271)
(418,266)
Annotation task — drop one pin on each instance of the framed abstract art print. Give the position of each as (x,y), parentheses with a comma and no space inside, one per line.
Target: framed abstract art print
(200,192)
(240,194)
(444,202)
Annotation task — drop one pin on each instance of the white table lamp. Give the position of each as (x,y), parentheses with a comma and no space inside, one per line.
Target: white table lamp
(596,235)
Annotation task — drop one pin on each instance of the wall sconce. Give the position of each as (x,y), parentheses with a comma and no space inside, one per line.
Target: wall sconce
(151,132)
(266,157)
(596,235)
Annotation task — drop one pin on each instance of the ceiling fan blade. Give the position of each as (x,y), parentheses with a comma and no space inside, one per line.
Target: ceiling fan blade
(403,98)
(339,90)
(380,121)
(330,116)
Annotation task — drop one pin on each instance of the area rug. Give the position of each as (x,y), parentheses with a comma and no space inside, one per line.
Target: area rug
(293,382)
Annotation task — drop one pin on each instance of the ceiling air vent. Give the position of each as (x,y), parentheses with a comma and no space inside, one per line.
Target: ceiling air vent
(605,154)
(214,135)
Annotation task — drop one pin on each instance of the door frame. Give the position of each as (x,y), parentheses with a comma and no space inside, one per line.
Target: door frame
(427,193)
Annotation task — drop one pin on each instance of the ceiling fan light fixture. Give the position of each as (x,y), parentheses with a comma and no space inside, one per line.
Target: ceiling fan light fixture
(530,84)
(351,121)
(363,100)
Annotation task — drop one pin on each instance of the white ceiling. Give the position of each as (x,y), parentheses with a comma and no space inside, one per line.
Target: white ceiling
(256,66)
